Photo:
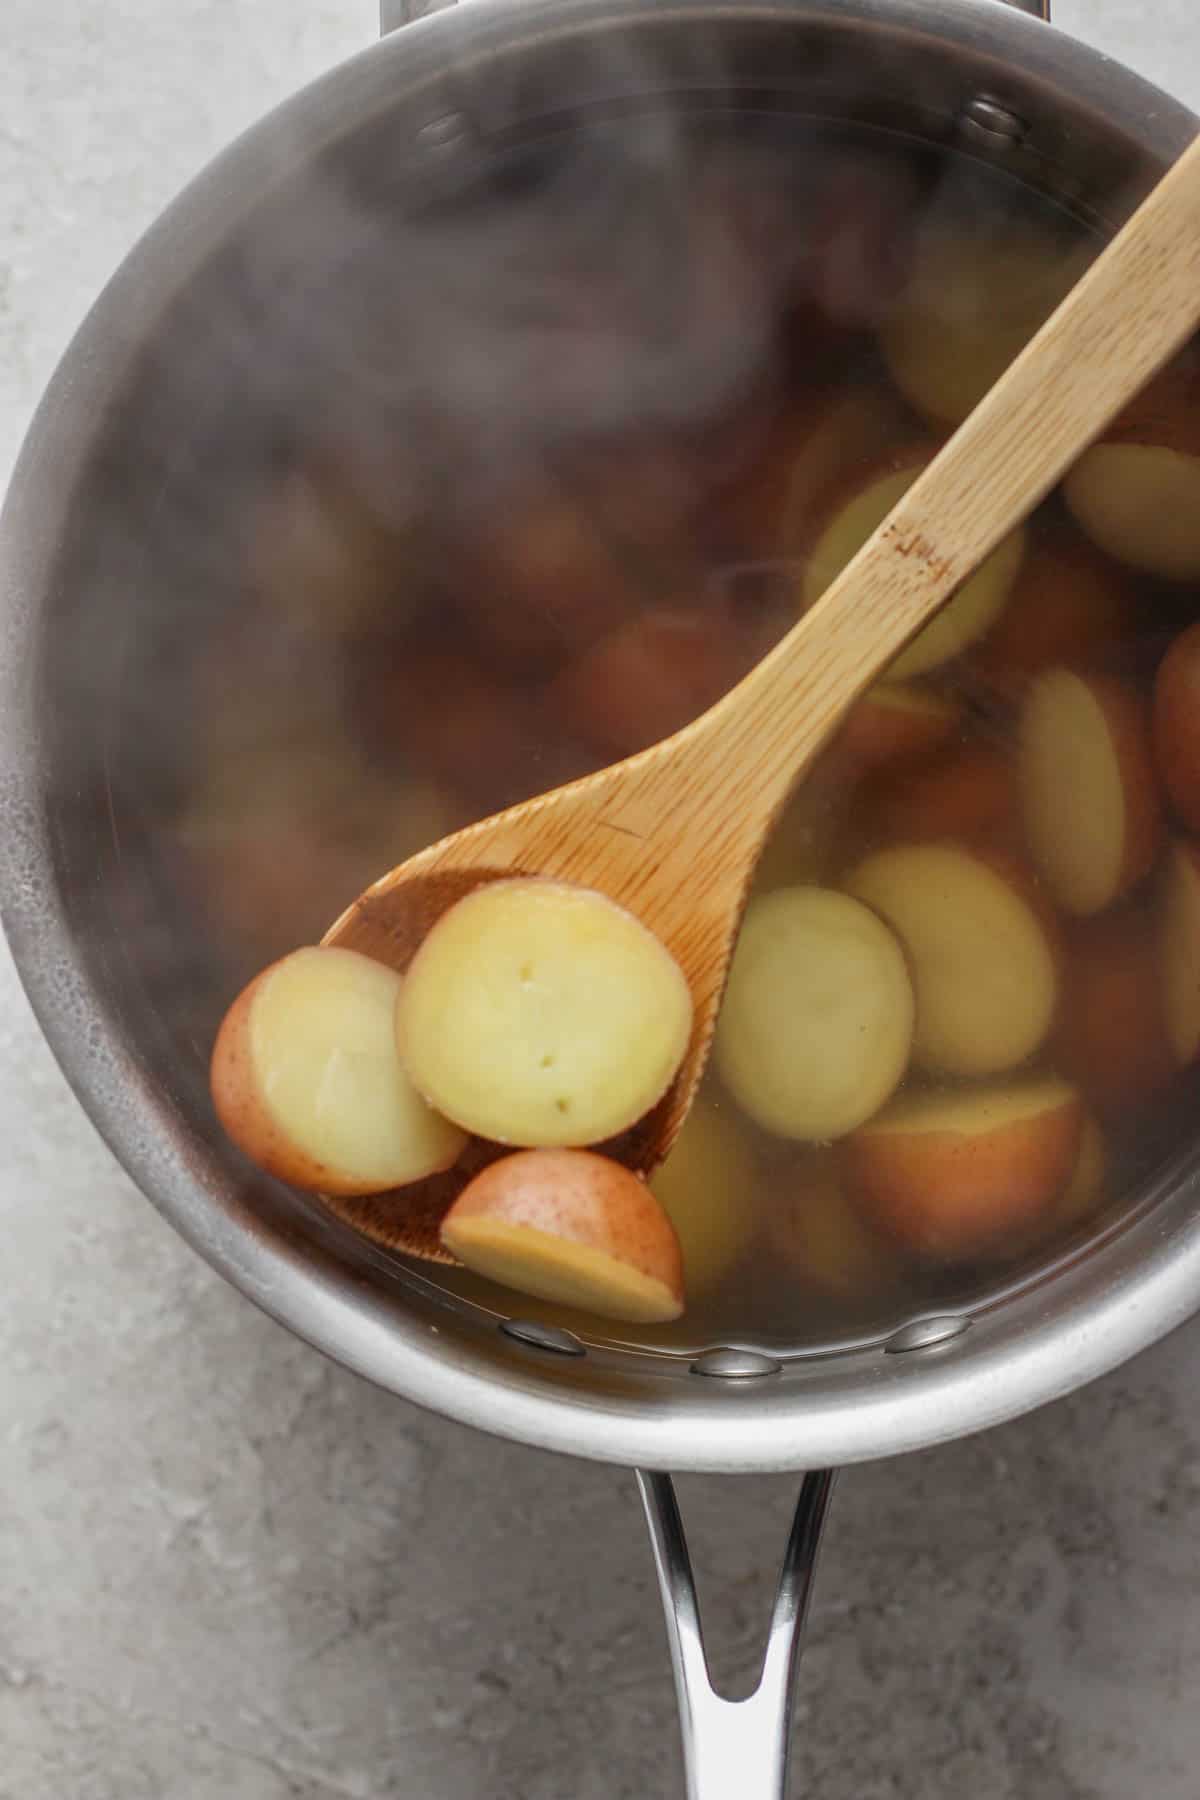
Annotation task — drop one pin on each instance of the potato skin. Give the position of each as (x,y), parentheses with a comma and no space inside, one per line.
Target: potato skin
(896,721)
(242,1111)
(1176,724)
(583,1199)
(969,796)
(956,1194)
(1112,1034)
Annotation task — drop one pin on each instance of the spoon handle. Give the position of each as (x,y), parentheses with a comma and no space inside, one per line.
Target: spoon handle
(1137,304)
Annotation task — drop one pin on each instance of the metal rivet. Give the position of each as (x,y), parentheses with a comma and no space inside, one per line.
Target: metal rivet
(725,1364)
(442,133)
(991,124)
(924,1334)
(543,1337)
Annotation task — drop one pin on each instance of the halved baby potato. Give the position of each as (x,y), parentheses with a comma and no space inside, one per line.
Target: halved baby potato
(823,1239)
(1112,1032)
(1179,950)
(1141,504)
(573,1228)
(817,1022)
(982,960)
(978,292)
(969,795)
(897,720)
(1069,605)
(960,1172)
(1177,724)
(705,1186)
(1089,795)
(307,1080)
(976,606)
(541,1014)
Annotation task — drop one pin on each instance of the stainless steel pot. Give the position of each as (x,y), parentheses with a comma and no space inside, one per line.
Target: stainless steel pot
(115,986)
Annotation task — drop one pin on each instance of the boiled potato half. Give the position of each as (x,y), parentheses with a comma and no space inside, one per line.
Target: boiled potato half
(570,1227)
(815,1030)
(983,965)
(706,1186)
(1177,724)
(976,606)
(1179,950)
(980,289)
(307,1080)
(1089,794)
(962,1172)
(540,1014)
(1141,504)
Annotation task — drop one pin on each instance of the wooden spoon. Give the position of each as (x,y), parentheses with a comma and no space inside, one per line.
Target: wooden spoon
(674,833)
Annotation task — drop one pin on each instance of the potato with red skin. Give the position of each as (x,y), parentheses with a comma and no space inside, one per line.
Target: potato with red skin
(857,514)
(1179,950)
(1069,605)
(969,795)
(981,951)
(449,719)
(1137,491)
(896,721)
(651,678)
(1112,1033)
(306,1079)
(960,1173)
(1089,793)
(1176,724)
(539,578)
(573,1228)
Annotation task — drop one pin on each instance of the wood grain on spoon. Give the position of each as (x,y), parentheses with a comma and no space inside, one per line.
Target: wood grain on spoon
(674,832)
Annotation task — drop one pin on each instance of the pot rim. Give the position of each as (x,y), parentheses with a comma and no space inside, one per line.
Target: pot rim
(1140,1283)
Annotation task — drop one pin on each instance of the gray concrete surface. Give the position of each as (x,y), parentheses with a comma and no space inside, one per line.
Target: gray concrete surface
(229,1571)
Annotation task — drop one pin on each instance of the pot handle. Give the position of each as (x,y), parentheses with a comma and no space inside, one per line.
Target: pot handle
(734,1746)
(1040,9)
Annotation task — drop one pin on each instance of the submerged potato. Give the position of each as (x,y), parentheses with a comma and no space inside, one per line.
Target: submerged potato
(307,1080)
(817,1023)
(706,1187)
(980,289)
(976,606)
(537,1013)
(983,967)
(571,1227)
(958,1173)
(1089,795)
(1141,504)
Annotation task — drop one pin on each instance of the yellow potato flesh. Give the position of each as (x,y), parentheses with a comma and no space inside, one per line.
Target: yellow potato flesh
(977,296)
(1180,954)
(1141,504)
(1072,792)
(541,1014)
(323,1057)
(705,1188)
(983,971)
(976,606)
(815,1031)
(552,1268)
(1084,1192)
